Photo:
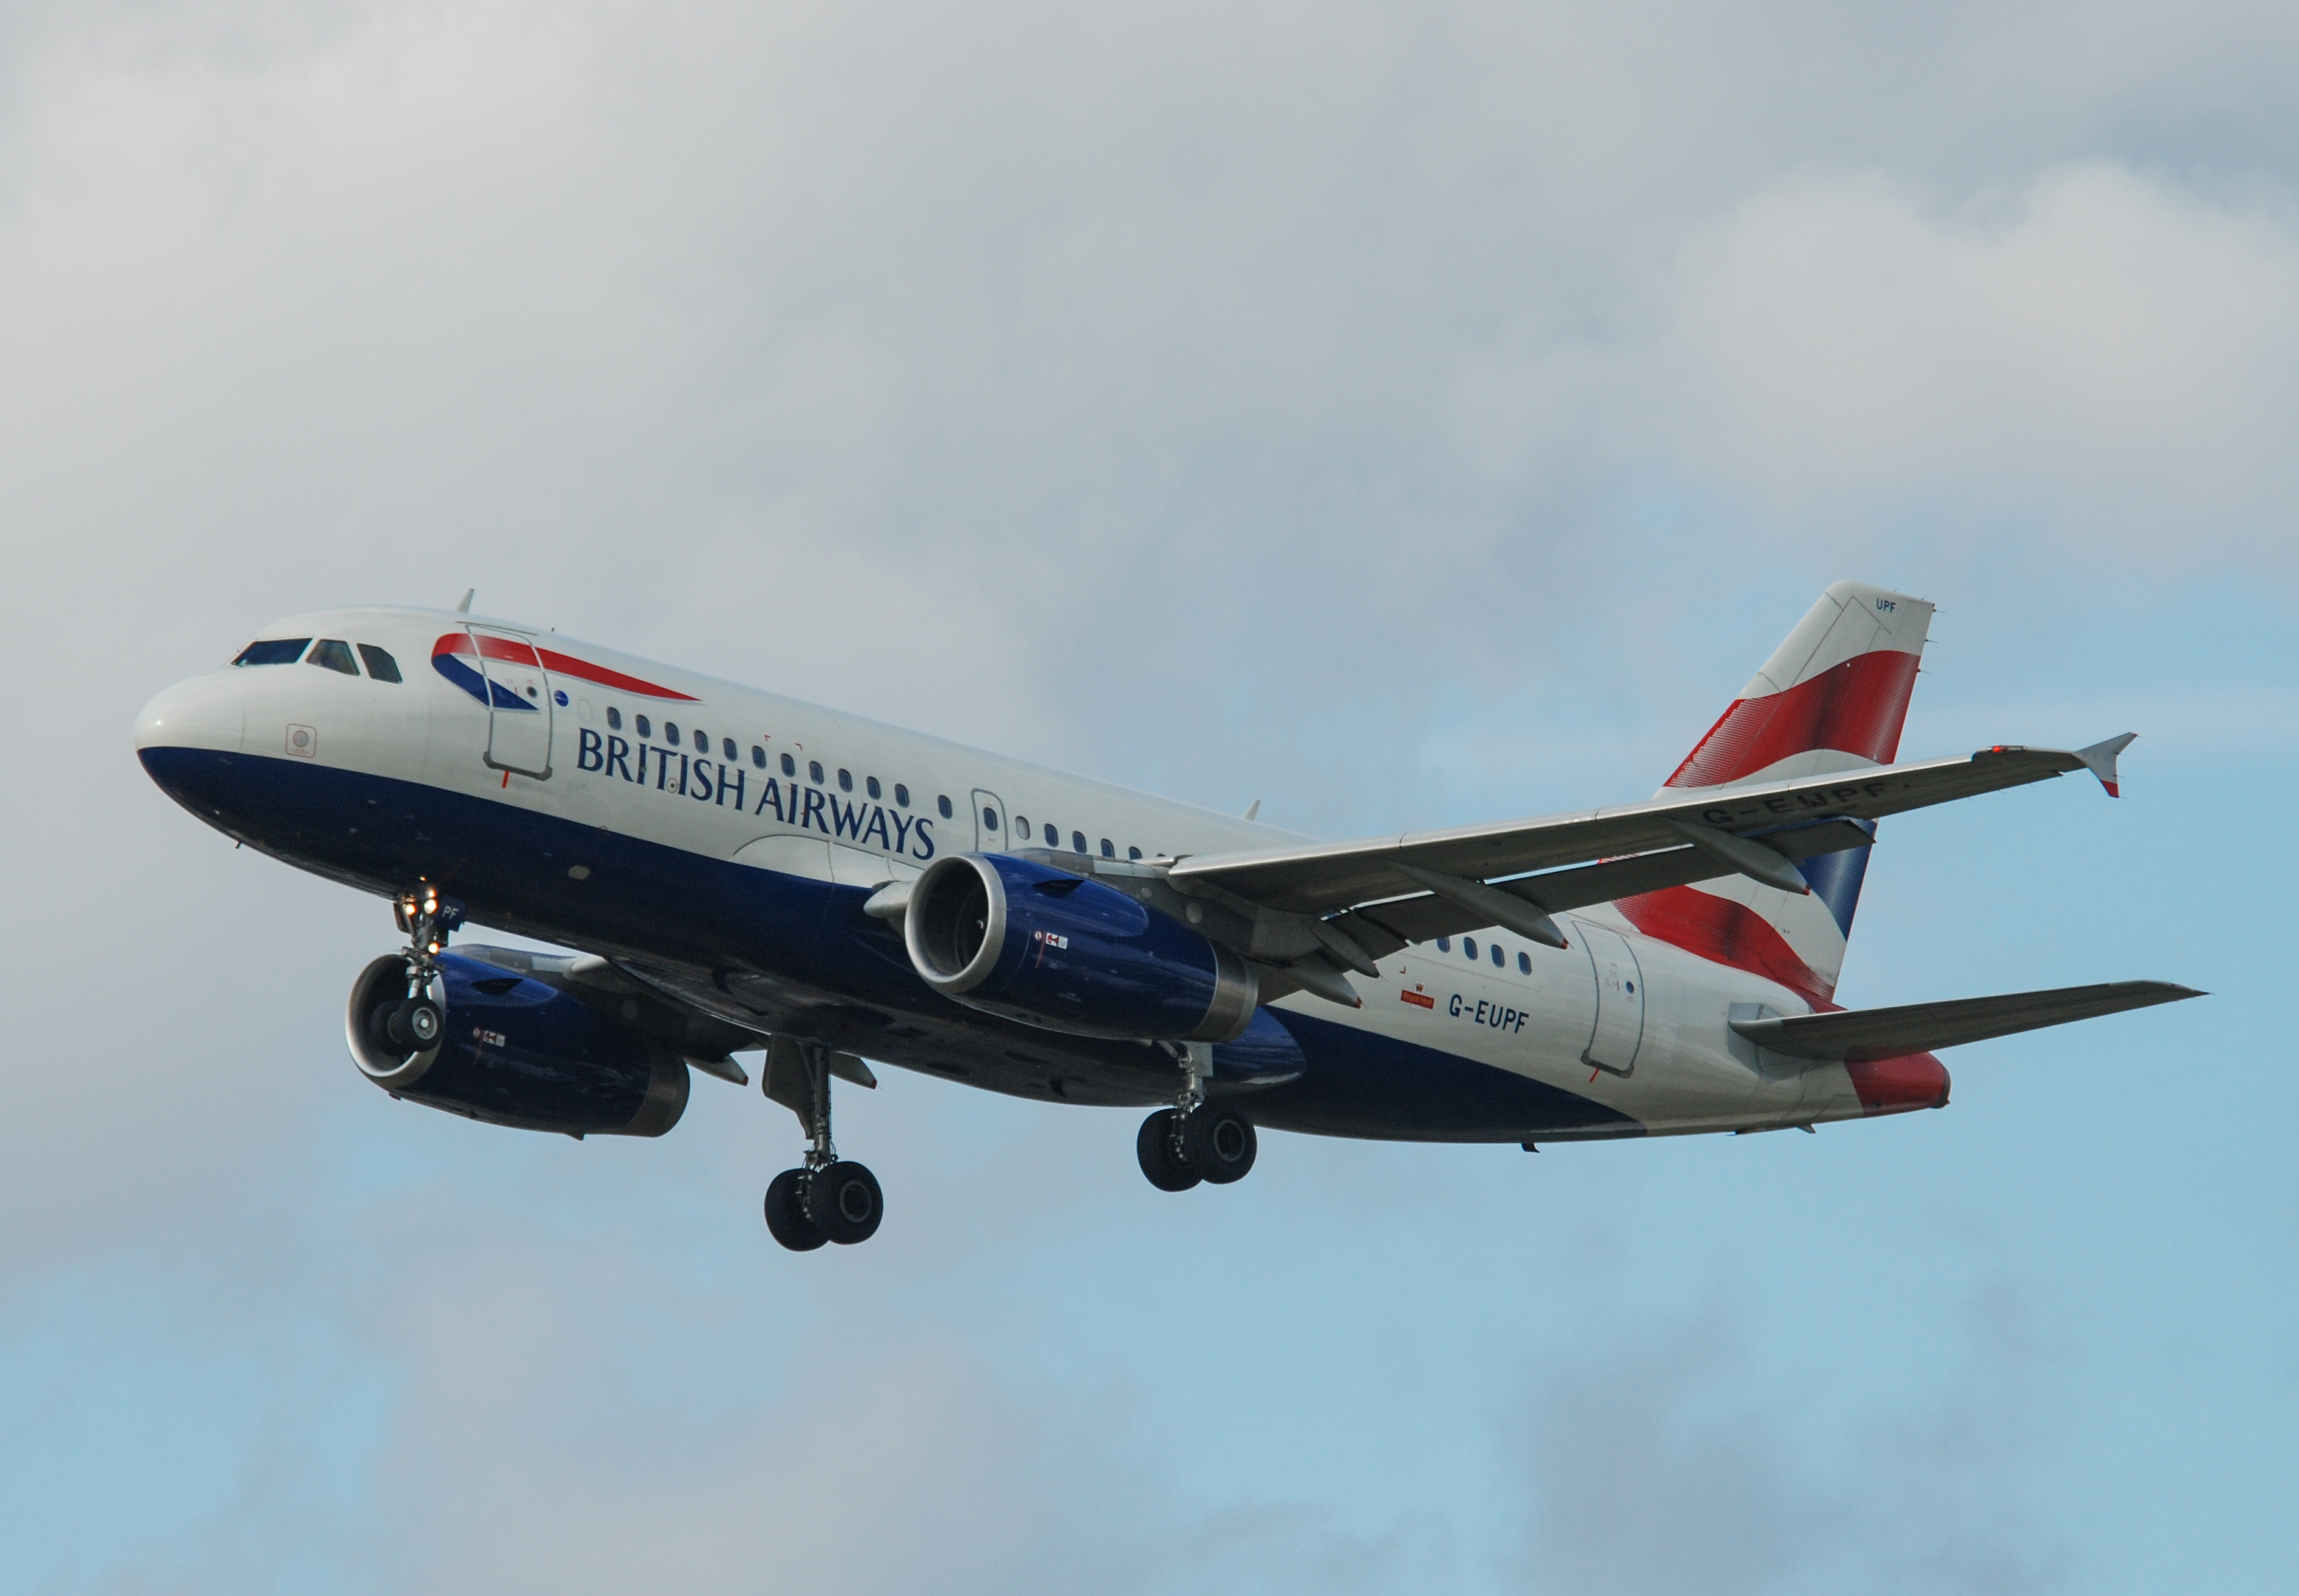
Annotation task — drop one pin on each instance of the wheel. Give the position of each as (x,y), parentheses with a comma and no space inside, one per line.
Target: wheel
(1219,1143)
(414,1025)
(786,1212)
(844,1204)
(1154,1146)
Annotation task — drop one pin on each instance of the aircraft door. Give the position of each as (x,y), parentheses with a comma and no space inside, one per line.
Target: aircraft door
(989,823)
(519,703)
(1620,1026)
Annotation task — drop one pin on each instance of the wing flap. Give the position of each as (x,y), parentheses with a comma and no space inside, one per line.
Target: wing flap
(1864,1036)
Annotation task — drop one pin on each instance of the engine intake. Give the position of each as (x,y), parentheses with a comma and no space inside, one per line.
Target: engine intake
(515,1051)
(1016,938)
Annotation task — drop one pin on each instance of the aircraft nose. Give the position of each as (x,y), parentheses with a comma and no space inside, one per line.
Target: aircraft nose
(203,713)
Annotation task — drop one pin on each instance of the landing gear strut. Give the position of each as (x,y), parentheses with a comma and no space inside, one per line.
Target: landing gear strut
(1195,1140)
(830,1199)
(414,1024)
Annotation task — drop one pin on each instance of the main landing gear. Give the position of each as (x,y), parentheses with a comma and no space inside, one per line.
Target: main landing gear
(830,1199)
(1195,1140)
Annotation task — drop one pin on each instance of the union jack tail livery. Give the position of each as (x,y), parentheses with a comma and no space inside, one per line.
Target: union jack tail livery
(1832,698)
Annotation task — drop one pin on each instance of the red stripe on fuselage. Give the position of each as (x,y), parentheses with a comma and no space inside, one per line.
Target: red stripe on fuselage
(1857,708)
(568,665)
(1724,932)
(512,651)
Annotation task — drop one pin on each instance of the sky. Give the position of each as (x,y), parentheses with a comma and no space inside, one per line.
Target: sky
(1401,415)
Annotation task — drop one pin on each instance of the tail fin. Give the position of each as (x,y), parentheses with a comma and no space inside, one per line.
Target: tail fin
(1832,697)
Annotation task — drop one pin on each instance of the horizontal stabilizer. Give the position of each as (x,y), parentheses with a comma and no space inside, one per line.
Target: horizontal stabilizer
(1863,1035)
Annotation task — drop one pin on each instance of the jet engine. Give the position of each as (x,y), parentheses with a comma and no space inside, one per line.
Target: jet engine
(1016,938)
(508,1049)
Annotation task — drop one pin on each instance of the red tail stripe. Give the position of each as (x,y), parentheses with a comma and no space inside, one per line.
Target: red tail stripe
(1724,932)
(1857,708)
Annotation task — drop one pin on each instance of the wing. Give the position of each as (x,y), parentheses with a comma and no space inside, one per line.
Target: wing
(1319,908)
(1863,1035)
(1320,878)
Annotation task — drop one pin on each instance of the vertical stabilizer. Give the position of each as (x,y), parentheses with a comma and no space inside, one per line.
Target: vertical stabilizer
(1832,697)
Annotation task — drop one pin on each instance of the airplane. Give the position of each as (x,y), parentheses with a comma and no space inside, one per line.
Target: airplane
(734,871)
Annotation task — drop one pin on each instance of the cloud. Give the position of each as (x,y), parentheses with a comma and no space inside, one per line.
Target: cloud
(1681,1460)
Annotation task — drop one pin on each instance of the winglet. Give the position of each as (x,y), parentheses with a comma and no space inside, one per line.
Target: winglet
(2099,759)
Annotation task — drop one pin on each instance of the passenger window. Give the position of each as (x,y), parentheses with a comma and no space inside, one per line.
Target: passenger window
(989,819)
(1134,854)
(702,741)
(1053,836)
(942,803)
(758,756)
(902,795)
(814,771)
(845,781)
(1524,964)
(669,733)
(790,766)
(1500,958)
(1022,825)
(1469,946)
(645,729)
(380,665)
(1077,841)
(1109,851)
(1444,944)
(614,719)
(281,651)
(871,783)
(335,654)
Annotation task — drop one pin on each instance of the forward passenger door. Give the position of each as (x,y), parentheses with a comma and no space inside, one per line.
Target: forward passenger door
(519,703)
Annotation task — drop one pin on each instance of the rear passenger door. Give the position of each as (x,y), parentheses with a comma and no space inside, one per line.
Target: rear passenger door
(1620,1027)
(519,703)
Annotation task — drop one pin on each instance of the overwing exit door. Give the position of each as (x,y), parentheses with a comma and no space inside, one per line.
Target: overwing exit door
(989,823)
(1620,1026)
(519,703)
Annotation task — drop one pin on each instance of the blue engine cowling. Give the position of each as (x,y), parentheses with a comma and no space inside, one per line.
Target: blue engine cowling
(1024,940)
(517,1052)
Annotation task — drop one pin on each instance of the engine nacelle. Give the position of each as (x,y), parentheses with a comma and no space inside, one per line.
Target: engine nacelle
(517,1052)
(1050,949)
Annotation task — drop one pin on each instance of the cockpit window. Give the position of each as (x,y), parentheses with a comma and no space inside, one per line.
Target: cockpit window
(279,651)
(335,654)
(380,665)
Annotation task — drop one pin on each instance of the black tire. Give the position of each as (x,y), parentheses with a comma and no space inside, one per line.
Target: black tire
(786,1212)
(1219,1143)
(844,1203)
(415,1025)
(1154,1146)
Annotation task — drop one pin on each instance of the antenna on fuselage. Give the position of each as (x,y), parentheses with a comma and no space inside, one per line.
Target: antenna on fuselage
(1254,808)
(465,607)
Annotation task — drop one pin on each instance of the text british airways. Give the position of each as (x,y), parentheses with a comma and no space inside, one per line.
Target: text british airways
(707,781)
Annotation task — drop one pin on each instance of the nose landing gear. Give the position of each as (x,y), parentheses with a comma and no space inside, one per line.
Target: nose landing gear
(414,1024)
(830,1199)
